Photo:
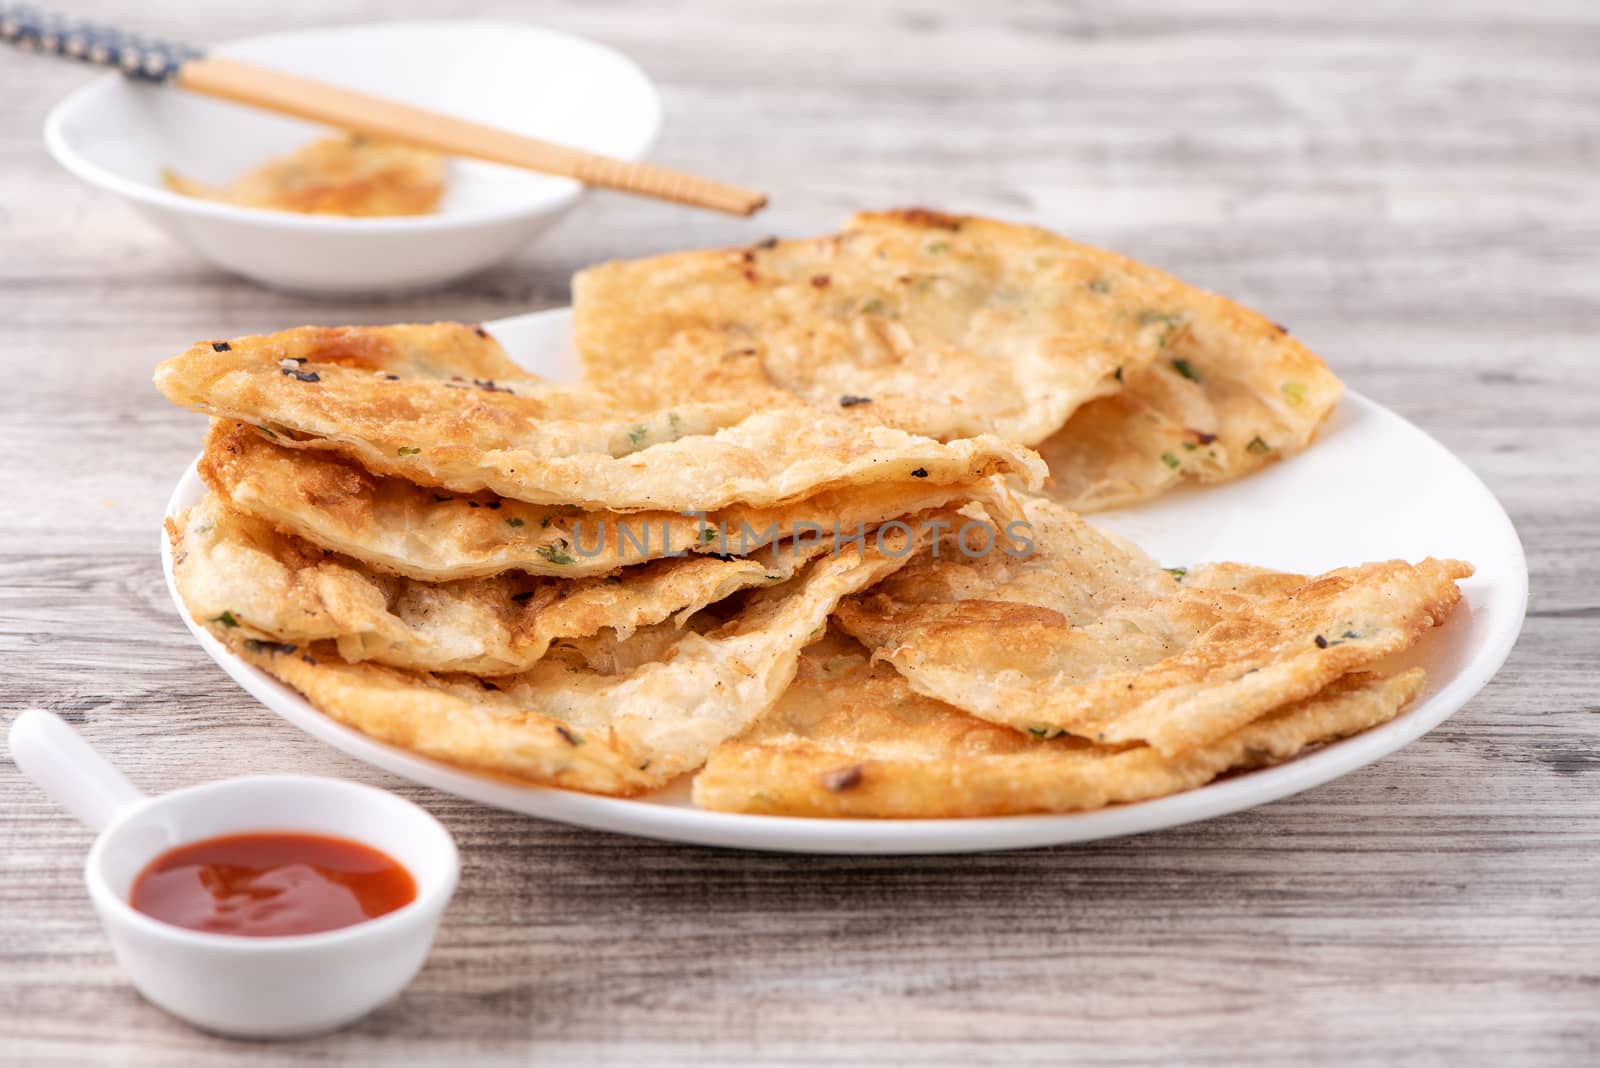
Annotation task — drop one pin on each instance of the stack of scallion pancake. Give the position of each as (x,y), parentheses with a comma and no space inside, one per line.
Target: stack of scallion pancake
(809,531)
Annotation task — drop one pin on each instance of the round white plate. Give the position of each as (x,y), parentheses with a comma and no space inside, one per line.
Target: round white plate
(1374,487)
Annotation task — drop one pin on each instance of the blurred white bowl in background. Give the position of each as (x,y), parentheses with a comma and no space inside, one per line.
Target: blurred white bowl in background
(120,135)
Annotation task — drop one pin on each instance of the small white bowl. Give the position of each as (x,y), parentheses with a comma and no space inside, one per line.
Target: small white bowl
(271,987)
(120,135)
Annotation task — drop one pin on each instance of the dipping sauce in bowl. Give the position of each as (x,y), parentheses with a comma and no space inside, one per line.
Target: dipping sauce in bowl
(271,883)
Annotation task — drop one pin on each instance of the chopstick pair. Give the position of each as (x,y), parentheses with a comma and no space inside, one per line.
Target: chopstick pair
(170,63)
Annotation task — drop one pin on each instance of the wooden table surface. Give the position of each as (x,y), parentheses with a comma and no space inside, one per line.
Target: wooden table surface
(1414,192)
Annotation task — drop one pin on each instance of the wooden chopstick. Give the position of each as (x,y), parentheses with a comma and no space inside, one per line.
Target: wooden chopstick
(288,94)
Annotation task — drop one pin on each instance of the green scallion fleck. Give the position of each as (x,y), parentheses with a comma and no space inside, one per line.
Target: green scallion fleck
(1176,572)
(409,450)
(1184,368)
(226,619)
(1169,320)
(256,645)
(1257,446)
(1171,460)
(556,552)
(514,522)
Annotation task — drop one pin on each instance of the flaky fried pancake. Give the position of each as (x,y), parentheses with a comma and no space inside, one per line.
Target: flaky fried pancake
(397,526)
(945,325)
(850,738)
(952,326)
(465,355)
(577,722)
(1230,394)
(243,575)
(344,391)
(346,175)
(1087,635)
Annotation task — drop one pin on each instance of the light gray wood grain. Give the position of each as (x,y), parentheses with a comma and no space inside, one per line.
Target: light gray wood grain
(1410,187)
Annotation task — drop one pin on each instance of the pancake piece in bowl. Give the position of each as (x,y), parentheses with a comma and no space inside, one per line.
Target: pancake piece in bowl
(350,175)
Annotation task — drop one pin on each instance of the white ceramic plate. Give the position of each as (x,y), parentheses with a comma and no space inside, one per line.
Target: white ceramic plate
(119,135)
(1374,487)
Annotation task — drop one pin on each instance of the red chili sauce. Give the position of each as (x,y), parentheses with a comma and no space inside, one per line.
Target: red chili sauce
(271,883)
